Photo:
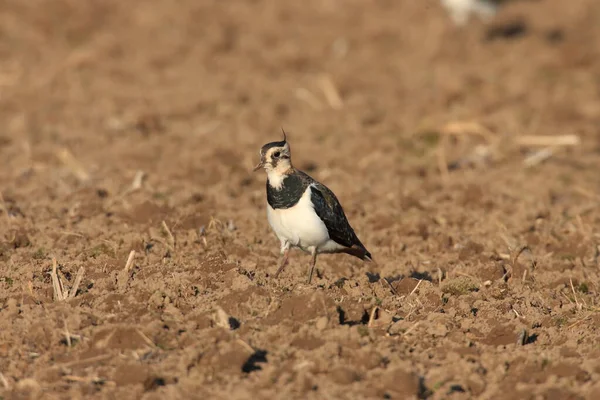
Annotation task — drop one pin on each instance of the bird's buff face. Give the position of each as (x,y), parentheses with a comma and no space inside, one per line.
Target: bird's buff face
(275,158)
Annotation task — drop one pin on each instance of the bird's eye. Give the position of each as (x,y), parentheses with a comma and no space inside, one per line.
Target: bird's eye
(276,154)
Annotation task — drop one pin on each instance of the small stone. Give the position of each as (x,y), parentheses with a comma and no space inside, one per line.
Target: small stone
(4,350)
(231,226)
(522,338)
(12,307)
(399,327)
(224,320)
(29,386)
(437,330)
(322,323)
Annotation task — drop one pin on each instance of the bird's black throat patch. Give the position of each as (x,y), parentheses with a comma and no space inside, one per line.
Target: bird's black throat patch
(289,195)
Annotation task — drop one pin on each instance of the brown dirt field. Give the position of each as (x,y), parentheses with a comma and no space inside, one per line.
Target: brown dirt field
(423,151)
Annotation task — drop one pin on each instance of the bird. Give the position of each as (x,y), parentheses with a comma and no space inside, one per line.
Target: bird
(460,10)
(303,212)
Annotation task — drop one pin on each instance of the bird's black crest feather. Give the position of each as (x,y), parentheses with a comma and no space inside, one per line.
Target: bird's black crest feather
(267,146)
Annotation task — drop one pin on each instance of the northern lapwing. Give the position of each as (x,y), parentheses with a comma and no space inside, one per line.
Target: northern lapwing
(303,212)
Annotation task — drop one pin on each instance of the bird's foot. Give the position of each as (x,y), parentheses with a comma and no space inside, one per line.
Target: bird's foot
(312,265)
(310,274)
(282,263)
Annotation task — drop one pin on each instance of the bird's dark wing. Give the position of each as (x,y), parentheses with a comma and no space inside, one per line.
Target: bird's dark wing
(330,211)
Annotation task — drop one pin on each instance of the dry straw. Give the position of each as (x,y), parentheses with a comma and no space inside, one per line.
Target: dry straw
(60,293)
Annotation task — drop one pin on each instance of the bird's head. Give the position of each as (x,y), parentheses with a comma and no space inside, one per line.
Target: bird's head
(275,157)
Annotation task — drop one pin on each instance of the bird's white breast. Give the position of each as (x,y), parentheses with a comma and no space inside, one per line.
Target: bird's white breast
(299,225)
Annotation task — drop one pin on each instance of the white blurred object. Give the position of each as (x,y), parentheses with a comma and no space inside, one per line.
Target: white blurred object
(461,10)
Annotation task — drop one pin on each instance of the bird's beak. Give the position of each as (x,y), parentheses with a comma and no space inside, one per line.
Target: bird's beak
(259,165)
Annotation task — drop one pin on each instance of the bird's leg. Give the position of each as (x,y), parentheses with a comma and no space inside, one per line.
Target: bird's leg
(285,251)
(313,262)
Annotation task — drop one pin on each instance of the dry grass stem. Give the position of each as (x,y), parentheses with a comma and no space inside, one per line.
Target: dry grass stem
(113,246)
(331,93)
(585,192)
(67,334)
(581,225)
(72,164)
(459,128)
(123,276)
(547,141)
(538,157)
(170,236)
(442,161)
(214,223)
(207,128)
(3,207)
(71,233)
(309,98)
(579,306)
(368,159)
(567,297)
(416,287)
(394,292)
(89,360)
(75,378)
(579,321)
(471,277)
(373,316)
(412,328)
(138,180)
(136,184)
(61,278)
(77,282)
(4,382)
(129,262)
(56,284)
(245,345)
(145,338)
(103,343)
(81,379)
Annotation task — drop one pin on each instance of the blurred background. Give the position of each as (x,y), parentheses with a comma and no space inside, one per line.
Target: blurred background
(91,74)
(104,74)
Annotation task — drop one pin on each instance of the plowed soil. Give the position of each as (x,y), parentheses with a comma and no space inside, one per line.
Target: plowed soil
(129,129)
